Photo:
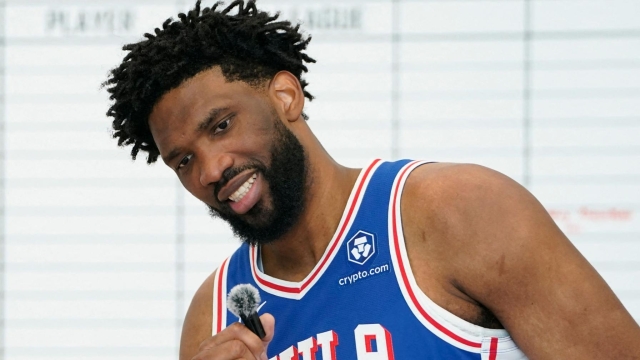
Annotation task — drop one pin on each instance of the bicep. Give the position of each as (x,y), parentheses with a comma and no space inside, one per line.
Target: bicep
(197,323)
(524,269)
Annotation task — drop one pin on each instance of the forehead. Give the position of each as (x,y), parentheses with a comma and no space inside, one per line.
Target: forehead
(208,87)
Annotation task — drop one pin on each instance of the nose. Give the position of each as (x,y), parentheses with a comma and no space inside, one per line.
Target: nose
(213,167)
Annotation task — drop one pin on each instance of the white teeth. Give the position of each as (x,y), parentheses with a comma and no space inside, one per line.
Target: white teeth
(243,190)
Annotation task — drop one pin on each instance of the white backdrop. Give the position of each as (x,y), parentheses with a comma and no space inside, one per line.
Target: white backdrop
(101,255)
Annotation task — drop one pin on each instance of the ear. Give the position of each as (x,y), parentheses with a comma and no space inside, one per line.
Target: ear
(286,94)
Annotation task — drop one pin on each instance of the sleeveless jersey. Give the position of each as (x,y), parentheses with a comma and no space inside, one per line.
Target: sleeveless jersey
(361,301)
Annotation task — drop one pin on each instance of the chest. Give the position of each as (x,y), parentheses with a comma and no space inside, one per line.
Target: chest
(353,316)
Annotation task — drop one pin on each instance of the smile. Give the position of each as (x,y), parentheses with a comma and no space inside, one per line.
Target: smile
(243,189)
(242,192)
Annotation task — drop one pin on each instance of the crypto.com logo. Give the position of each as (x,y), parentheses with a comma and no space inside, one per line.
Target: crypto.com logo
(361,247)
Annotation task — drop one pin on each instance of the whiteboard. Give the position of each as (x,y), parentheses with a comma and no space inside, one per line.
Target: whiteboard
(102,255)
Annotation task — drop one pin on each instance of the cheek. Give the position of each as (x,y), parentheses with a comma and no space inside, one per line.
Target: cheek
(252,147)
(191,182)
(258,132)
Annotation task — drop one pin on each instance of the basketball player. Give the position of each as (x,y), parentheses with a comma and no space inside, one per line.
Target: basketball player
(397,260)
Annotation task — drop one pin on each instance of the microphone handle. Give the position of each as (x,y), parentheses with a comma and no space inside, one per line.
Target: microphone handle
(254,324)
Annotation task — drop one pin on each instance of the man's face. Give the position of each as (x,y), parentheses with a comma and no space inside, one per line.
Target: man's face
(230,149)
(285,176)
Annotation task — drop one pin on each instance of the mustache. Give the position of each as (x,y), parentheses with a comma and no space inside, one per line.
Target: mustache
(230,173)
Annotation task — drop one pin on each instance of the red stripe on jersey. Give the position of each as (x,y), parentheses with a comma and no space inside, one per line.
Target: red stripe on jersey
(390,355)
(368,339)
(405,279)
(493,349)
(296,290)
(220,292)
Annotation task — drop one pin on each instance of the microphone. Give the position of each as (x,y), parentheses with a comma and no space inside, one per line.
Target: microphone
(243,301)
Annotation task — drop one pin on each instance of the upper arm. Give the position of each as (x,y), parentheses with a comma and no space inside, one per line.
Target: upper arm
(197,323)
(504,251)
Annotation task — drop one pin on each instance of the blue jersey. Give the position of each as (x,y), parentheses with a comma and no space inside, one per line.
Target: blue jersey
(361,301)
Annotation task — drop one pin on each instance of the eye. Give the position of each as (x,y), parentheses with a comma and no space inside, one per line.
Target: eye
(222,125)
(184,161)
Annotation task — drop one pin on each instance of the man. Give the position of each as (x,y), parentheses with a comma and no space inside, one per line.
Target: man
(403,260)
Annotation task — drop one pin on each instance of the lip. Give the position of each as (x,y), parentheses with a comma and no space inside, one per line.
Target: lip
(234,184)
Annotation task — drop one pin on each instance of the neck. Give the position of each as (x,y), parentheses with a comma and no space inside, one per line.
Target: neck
(293,256)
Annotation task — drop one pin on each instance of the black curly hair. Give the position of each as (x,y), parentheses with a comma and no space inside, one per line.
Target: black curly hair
(250,46)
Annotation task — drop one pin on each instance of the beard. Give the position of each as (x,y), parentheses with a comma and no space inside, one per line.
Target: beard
(286,178)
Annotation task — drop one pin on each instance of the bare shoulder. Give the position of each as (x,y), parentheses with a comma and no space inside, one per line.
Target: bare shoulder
(467,197)
(445,212)
(451,201)
(454,185)
(197,323)
(489,237)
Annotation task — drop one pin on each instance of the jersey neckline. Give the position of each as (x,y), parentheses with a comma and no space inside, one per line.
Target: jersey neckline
(297,290)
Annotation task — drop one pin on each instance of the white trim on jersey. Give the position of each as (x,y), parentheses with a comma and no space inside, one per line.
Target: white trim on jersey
(447,326)
(297,290)
(504,348)
(219,309)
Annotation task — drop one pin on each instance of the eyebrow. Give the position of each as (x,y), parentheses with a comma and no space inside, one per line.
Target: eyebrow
(202,126)
(211,117)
